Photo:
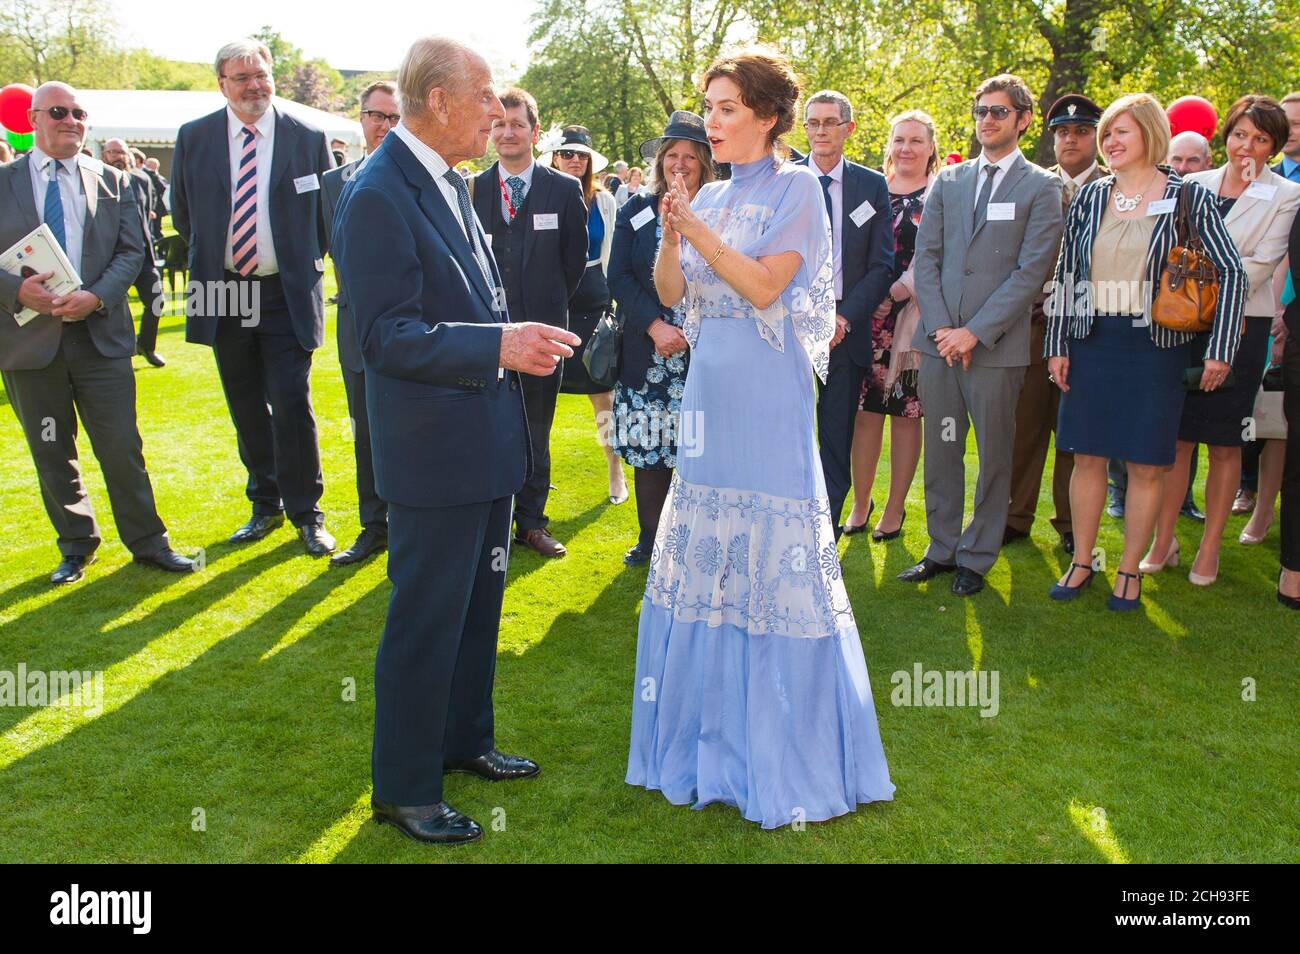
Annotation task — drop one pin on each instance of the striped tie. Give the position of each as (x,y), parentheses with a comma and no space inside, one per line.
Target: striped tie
(243,217)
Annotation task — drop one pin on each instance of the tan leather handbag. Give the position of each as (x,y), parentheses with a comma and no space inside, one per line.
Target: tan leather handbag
(1189,282)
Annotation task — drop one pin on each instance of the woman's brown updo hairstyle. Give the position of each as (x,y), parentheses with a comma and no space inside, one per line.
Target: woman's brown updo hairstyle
(768,85)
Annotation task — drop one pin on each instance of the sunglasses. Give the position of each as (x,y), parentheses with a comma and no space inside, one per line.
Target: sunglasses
(60,113)
(998,112)
(569,153)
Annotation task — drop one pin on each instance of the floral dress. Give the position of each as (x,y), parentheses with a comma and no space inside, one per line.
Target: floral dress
(751,686)
(647,420)
(902,400)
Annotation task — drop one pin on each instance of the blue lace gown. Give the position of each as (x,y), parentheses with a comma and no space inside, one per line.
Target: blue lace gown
(751,686)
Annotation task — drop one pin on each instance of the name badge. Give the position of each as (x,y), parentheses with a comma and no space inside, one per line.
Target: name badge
(1001,212)
(487,238)
(862,213)
(1258,190)
(641,218)
(1161,206)
(307,183)
(546,221)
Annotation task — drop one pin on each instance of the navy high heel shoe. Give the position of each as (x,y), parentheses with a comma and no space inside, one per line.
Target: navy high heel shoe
(1063,592)
(1118,602)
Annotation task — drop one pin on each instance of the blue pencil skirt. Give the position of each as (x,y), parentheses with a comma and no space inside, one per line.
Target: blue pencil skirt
(1126,395)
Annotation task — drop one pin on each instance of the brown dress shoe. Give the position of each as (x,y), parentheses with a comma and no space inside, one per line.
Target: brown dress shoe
(542,542)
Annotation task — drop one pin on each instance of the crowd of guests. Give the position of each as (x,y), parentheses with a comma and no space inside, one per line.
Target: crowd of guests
(989,294)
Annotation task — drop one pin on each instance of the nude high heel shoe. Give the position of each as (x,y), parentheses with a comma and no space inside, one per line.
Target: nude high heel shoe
(1171,559)
(1197,580)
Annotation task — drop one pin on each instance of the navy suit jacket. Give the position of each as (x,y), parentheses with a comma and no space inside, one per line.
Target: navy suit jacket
(331,187)
(200,200)
(444,430)
(554,259)
(632,285)
(866,257)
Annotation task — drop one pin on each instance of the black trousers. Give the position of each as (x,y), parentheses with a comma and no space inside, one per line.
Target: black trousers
(437,657)
(373,511)
(47,401)
(1291,469)
(264,372)
(540,395)
(837,411)
(148,285)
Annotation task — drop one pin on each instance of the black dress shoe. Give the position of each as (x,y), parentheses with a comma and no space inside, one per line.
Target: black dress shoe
(1115,506)
(71,568)
(256,528)
(317,540)
(153,357)
(636,555)
(169,560)
(1067,542)
(494,766)
(927,569)
(369,542)
(1189,509)
(967,582)
(1011,535)
(438,824)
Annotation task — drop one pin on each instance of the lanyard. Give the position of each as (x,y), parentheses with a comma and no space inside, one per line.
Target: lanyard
(506,198)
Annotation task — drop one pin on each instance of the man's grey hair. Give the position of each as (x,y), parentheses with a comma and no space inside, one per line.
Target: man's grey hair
(1190,137)
(245,49)
(831,96)
(432,62)
(379,86)
(620,166)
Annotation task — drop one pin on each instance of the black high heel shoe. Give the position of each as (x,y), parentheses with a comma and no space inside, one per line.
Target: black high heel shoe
(849,529)
(879,537)
(1063,591)
(1119,602)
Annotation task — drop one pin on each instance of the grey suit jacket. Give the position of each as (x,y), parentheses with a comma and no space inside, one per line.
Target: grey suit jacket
(986,279)
(112,255)
(331,187)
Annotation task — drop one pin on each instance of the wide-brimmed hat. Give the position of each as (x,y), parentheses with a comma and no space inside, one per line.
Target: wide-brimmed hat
(577,138)
(682,124)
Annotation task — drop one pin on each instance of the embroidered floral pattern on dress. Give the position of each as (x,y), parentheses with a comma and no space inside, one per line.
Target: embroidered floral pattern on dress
(777,574)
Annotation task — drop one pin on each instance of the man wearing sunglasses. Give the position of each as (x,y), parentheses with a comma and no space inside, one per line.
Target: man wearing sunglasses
(988,238)
(379,114)
(74,357)
(246,197)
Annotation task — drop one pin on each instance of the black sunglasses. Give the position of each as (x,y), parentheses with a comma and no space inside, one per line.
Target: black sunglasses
(569,153)
(999,112)
(59,113)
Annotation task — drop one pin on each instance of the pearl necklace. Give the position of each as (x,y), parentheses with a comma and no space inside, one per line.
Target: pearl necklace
(1126,204)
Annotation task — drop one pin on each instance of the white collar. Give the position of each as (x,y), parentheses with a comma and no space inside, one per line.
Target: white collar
(1082,178)
(265,124)
(433,163)
(526,175)
(1004,163)
(39,159)
(836,173)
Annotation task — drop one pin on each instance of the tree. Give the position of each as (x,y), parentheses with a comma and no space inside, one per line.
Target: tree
(69,40)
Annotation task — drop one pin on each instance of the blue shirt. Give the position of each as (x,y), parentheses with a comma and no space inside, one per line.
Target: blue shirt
(595,232)
(1290,170)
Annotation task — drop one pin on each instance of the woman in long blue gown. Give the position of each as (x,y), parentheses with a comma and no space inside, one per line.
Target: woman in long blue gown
(751,686)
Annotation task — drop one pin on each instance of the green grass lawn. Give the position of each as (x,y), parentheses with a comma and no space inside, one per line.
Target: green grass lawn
(1120,737)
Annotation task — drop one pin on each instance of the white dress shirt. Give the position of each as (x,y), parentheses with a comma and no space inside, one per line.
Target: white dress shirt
(1079,181)
(836,190)
(265,140)
(526,175)
(1004,166)
(71,192)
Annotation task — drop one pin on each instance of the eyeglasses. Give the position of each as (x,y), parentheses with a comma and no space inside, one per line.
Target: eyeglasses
(60,113)
(244,79)
(829,125)
(379,116)
(569,153)
(998,112)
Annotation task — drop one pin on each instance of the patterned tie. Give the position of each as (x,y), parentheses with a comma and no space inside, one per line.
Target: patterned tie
(516,185)
(243,215)
(467,220)
(986,191)
(830,209)
(54,203)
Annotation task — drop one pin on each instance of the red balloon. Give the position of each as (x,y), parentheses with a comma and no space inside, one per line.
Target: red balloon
(1192,113)
(15,100)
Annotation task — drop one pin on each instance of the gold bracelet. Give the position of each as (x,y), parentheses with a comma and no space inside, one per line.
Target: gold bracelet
(716,255)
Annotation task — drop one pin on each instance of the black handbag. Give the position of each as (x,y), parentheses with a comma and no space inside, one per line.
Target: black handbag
(603,356)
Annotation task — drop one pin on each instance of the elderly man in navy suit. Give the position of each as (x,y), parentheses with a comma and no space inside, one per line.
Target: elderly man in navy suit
(245,194)
(449,434)
(862,248)
(379,114)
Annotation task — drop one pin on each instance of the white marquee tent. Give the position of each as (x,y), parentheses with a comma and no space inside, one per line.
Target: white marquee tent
(149,118)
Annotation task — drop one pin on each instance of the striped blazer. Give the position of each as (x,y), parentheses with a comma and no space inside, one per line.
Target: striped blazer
(1070,303)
